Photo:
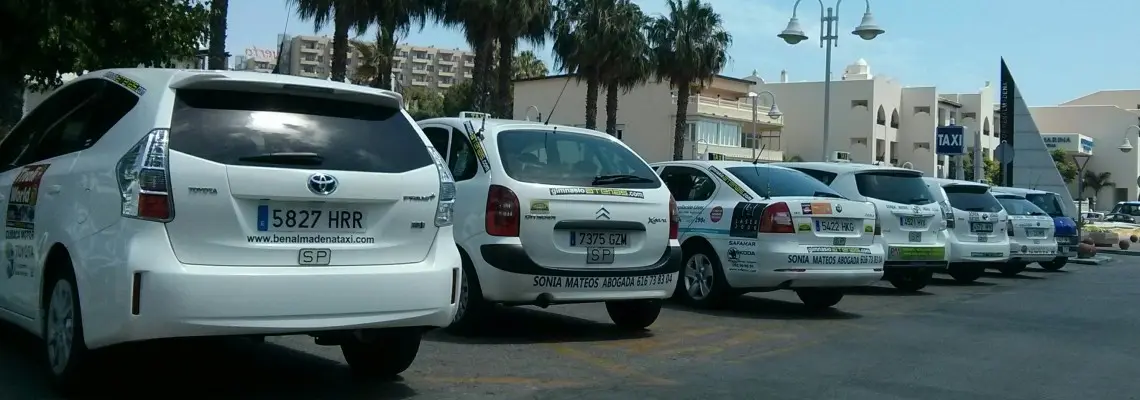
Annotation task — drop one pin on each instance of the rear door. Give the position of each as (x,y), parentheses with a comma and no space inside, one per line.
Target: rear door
(693,190)
(259,176)
(470,179)
(592,202)
(908,213)
(978,215)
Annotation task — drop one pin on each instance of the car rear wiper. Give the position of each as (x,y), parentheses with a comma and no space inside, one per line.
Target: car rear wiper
(827,194)
(1037,213)
(619,178)
(286,158)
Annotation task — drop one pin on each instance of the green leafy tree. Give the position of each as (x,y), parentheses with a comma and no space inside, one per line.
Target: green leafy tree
(423,103)
(989,168)
(219,13)
(459,98)
(394,20)
(580,28)
(527,65)
(630,61)
(481,33)
(43,39)
(1065,165)
(526,20)
(1096,182)
(345,16)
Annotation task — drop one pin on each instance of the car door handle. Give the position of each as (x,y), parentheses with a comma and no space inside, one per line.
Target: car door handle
(54,189)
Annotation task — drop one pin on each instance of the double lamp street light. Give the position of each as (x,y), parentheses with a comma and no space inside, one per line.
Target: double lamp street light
(829,38)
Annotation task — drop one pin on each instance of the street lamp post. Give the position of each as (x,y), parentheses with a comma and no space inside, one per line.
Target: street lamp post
(773,113)
(828,38)
(1081,160)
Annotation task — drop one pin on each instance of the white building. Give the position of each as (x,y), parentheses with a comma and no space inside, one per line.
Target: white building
(875,118)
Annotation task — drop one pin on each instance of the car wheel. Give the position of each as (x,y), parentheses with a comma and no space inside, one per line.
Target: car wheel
(471,308)
(965,274)
(819,298)
(910,281)
(702,282)
(633,315)
(382,353)
(64,348)
(1011,268)
(1054,265)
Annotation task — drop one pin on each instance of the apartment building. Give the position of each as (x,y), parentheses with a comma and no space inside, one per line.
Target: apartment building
(431,67)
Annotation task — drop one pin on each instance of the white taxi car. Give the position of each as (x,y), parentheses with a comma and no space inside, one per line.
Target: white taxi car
(1030,234)
(975,226)
(910,221)
(553,214)
(155,203)
(753,227)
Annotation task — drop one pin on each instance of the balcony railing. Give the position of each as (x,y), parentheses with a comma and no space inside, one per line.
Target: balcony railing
(734,109)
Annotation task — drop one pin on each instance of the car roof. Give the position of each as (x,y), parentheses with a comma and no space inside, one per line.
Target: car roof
(953,182)
(170,77)
(1018,191)
(839,168)
(1128,202)
(495,125)
(722,164)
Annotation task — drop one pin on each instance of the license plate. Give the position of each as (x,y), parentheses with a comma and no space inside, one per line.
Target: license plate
(286,218)
(912,222)
(982,227)
(982,239)
(839,242)
(1035,232)
(599,255)
(915,237)
(314,257)
(599,239)
(834,225)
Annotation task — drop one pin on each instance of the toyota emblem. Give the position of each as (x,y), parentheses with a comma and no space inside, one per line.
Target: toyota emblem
(322,184)
(838,208)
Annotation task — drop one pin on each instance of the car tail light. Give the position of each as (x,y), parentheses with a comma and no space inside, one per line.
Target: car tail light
(777,218)
(445,209)
(674,219)
(947,215)
(1009,228)
(143,174)
(502,212)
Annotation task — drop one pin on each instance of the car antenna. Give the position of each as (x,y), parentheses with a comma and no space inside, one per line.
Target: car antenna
(556,100)
(768,182)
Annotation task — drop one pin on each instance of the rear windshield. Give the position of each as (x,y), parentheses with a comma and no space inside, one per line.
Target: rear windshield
(243,128)
(822,176)
(1019,206)
(972,198)
(572,159)
(777,182)
(1127,208)
(1048,202)
(897,187)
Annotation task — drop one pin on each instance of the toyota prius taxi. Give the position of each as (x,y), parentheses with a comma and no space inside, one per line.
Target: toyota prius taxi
(749,227)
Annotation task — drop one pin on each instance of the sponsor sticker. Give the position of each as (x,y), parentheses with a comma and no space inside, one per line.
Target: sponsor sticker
(126,82)
(597,192)
(716,214)
(820,208)
(731,183)
(20,246)
(924,253)
(540,207)
(834,259)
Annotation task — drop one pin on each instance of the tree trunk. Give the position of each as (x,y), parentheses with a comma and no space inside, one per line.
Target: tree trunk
(11,100)
(611,109)
(481,75)
(505,97)
(592,86)
(341,24)
(385,52)
(219,9)
(680,123)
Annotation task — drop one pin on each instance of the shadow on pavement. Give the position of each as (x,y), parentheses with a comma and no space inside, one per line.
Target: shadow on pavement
(758,307)
(1018,276)
(882,291)
(517,325)
(951,282)
(231,368)
(1045,271)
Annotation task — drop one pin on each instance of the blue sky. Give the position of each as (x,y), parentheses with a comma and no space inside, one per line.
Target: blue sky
(1057,49)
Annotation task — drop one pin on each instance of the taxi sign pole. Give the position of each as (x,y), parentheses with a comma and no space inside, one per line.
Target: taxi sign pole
(979,162)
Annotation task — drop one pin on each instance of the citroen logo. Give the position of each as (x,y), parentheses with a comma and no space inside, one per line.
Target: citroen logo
(602,213)
(322,184)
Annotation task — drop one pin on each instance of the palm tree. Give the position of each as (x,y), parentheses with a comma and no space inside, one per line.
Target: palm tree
(481,33)
(345,15)
(527,20)
(1097,181)
(366,67)
(395,19)
(219,9)
(579,31)
(526,65)
(690,46)
(630,62)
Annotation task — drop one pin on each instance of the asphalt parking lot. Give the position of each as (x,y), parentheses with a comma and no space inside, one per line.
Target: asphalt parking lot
(1065,335)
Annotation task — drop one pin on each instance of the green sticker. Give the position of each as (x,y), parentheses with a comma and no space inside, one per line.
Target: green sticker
(804,227)
(924,253)
(869,228)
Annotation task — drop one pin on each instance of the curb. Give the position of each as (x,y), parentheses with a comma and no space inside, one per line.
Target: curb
(1118,252)
(1097,260)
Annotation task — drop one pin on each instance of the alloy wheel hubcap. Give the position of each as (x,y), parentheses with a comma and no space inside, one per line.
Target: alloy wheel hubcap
(698,277)
(60,327)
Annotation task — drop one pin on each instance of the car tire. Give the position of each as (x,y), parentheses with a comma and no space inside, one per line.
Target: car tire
(385,355)
(965,273)
(910,281)
(634,315)
(819,298)
(702,267)
(1011,268)
(472,308)
(65,351)
(1054,265)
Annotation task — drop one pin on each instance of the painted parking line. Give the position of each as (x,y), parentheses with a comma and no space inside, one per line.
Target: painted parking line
(657,342)
(614,368)
(506,380)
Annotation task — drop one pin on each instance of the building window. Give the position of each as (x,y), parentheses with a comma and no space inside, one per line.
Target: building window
(859,103)
(922,109)
(716,133)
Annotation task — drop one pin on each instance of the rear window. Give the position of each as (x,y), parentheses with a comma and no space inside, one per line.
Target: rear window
(898,187)
(572,159)
(230,127)
(822,176)
(778,182)
(1048,202)
(1019,206)
(971,198)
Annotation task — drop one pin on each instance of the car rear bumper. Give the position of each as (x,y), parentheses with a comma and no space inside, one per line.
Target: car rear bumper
(1067,246)
(964,252)
(790,266)
(180,300)
(512,277)
(1027,251)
